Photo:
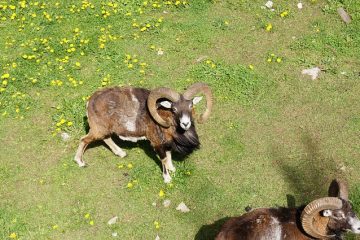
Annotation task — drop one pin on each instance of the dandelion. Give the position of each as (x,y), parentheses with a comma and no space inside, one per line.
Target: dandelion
(130,166)
(13,235)
(77,64)
(284,14)
(156,224)
(130,185)
(5,76)
(120,166)
(269,27)
(91,222)
(69,123)
(87,216)
(251,67)
(161,193)
(55,227)
(278,60)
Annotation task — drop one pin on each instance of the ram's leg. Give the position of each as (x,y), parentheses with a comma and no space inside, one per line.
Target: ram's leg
(114,148)
(84,141)
(169,165)
(162,155)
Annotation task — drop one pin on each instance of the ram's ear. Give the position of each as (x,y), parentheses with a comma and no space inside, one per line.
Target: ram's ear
(196,100)
(166,104)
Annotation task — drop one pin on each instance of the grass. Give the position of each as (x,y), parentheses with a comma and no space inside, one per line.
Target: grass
(274,134)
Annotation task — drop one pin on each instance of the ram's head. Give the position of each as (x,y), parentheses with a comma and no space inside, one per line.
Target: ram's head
(181,105)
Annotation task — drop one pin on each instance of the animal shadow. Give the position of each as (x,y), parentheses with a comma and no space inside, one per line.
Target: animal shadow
(209,232)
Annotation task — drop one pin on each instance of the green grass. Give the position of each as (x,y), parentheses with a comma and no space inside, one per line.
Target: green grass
(273,132)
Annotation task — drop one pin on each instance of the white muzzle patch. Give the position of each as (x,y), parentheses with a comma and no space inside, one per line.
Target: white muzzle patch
(185,122)
(355,225)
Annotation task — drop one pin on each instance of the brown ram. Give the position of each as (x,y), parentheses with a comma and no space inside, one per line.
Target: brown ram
(162,116)
(324,218)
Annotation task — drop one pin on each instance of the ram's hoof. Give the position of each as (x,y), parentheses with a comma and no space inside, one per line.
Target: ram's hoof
(121,154)
(80,163)
(167,178)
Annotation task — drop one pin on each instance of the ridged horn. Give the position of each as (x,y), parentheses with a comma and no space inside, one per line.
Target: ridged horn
(198,88)
(155,95)
(339,188)
(313,209)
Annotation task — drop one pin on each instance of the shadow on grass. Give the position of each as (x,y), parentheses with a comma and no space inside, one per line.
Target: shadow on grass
(309,176)
(209,232)
(144,145)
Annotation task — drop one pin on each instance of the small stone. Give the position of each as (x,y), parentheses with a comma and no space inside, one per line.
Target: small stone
(313,72)
(269,4)
(157,237)
(299,5)
(65,136)
(344,15)
(166,203)
(114,234)
(160,52)
(154,204)
(183,208)
(201,58)
(113,220)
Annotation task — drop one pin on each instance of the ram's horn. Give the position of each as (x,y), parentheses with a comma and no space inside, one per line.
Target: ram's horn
(154,96)
(198,88)
(313,209)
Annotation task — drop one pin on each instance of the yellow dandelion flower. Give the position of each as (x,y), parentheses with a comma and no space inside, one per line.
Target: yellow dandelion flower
(130,185)
(91,222)
(278,60)
(269,27)
(130,166)
(55,227)
(251,67)
(5,76)
(161,193)
(156,224)
(13,235)
(87,216)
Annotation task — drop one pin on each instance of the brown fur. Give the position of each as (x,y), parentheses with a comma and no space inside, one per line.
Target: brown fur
(124,112)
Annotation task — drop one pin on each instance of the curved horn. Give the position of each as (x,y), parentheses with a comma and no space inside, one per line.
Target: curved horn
(338,188)
(313,209)
(197,88)
(155,95)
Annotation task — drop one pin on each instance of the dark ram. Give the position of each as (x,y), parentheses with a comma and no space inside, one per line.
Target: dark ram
(324,218)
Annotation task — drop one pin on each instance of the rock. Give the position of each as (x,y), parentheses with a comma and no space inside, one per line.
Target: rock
(344,15)
(166,203)
(65,136)
(313,72)
(160,52)
(183,208)
(114,234)
(157,237)
(269,4)
(201,58)
(113,220)
(299,5)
